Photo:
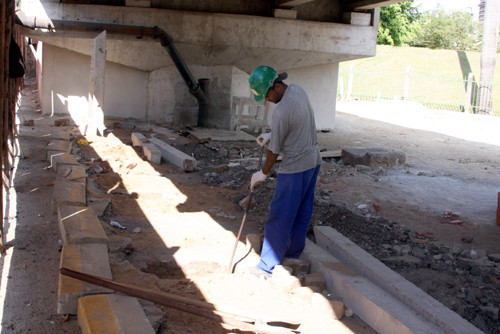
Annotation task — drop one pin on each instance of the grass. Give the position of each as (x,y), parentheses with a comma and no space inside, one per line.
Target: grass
(437,77)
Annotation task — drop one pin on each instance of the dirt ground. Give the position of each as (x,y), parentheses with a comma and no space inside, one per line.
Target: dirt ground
(432,220)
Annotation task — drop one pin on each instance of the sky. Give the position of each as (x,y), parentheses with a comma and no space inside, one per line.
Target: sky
(470,6)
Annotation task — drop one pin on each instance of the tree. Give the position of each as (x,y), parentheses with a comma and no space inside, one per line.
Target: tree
(488,55)
(440,30)
(396,23)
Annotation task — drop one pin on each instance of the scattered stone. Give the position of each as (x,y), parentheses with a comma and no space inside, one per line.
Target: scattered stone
(221,168)
(299,267)
(61,122)
(315,279)
(494,257)
(29,122)
(467,239)
(244,203)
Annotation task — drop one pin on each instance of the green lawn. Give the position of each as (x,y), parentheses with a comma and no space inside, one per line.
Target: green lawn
(436,76)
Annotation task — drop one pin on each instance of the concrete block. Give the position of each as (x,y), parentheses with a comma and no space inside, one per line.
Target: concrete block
(61,135)
(59,145)
(152,153)
(373,157)
(174,156)
(72,173)
(299,266)
(405,291)
(88,258)
(59,160)
(68,193)
(138,139)
(112,313)
(315,279)
(357,19)
(80,225)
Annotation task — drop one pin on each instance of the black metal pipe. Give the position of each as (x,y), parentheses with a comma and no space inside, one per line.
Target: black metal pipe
(194,87)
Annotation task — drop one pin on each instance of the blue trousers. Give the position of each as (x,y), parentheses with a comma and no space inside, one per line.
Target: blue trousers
(285,230)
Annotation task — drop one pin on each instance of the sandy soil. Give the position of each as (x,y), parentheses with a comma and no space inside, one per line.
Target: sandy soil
(181,227)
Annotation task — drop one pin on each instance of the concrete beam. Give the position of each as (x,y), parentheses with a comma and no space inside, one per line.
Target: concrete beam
(393,283)
(174,156)
(375,306)
(213,39)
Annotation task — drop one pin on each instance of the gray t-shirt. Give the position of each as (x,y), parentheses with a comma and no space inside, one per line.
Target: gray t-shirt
(294,132)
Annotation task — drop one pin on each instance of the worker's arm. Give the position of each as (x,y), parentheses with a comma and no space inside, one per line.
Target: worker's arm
(270,161)
(261,175)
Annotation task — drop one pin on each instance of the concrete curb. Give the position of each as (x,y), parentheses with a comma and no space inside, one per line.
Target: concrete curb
(112,314)
(376,307)
(374,270)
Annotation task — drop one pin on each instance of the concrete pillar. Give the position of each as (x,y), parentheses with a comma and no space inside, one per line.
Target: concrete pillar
(96,93)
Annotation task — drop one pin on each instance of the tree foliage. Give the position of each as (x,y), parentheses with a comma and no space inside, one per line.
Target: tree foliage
(440,30)
(403,24)
(397,23)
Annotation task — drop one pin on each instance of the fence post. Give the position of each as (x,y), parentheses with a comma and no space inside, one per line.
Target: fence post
(468,94)
(350,83)
(406,94)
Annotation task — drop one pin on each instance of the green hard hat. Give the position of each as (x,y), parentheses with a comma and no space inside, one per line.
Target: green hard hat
(261,80)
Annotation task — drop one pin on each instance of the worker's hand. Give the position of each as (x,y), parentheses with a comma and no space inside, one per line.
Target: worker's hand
(257,178)
(263,139)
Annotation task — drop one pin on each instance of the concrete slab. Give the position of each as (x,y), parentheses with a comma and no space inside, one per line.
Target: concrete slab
(61,134)
(371,268)
(112,313)
(68,193)
(375,306)
(174,156)
(88,258)
(72,173)
(373,157)
(80,225)
(59,160)
(59,145)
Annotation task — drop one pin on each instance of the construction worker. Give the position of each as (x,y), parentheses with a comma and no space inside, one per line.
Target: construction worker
(293,134)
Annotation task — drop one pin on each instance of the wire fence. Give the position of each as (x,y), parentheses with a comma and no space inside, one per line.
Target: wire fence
(434,92)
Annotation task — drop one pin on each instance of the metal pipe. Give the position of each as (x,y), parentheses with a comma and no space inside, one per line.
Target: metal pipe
(194,86)
(184,304)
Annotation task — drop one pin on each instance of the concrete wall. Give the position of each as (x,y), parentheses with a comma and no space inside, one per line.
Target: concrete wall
(320,83)
(170,102)
(65,80)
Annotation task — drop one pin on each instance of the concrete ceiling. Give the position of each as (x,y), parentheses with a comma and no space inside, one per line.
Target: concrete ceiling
(204,38)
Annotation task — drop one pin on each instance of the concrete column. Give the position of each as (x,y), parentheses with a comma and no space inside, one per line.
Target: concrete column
(96,92)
